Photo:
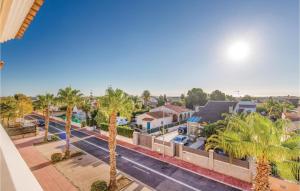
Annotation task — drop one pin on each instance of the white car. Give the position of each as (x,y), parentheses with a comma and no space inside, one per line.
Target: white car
(122,121)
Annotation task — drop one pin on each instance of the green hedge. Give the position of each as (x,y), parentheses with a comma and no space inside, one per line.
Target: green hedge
(122,130)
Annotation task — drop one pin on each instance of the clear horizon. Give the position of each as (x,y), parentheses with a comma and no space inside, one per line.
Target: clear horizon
(157,46)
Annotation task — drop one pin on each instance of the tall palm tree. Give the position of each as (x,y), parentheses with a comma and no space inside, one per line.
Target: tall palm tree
(86,106)
(115,102)
(146,97)
(44,102)
(70,98)
(259,137)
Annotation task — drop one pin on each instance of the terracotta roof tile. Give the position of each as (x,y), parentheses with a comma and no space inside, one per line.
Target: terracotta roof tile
(293,116)
(158,114)
(176,108)
(148,119)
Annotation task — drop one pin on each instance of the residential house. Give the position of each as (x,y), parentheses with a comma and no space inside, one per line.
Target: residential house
(152,102)
(153,119)
(294,118)
(245,107)
(178,113)
(211,112)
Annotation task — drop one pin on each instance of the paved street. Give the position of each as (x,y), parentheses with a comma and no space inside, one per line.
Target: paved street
(152,172)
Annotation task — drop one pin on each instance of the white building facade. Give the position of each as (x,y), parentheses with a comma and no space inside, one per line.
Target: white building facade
(152,120)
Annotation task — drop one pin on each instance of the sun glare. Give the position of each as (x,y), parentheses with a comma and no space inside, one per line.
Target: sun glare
(238,51)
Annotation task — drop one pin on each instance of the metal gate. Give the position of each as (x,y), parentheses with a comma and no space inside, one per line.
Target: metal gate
(145,140)
(176,150)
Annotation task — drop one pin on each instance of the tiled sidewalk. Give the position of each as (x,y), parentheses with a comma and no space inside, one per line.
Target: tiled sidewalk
(47,175)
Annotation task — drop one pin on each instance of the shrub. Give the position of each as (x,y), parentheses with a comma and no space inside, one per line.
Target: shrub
(56,157)
(76,154)
(104,126)
(54,138)
(99,185)
(125,131)
(83,123)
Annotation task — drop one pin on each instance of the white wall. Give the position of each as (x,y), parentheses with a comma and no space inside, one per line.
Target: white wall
(14,173)
(245,109)
(154,123)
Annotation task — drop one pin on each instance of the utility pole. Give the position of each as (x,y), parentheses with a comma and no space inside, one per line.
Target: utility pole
(163,133)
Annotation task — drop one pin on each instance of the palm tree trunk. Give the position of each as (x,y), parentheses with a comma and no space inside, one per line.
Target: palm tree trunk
(46,124)
(262,175)
(112,152)
(87,118)
(68,131)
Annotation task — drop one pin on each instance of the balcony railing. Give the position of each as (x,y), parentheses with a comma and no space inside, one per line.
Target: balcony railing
(14,173)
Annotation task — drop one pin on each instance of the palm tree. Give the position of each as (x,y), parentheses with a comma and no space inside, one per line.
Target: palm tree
(86,106)
(115,102)
(44,102)
(70,98)
(8,108)
(146,97)
(259,137)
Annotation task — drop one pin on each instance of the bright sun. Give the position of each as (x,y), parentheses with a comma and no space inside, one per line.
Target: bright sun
(238,51)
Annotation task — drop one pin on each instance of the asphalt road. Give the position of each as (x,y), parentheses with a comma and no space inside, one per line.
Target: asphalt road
(154,173)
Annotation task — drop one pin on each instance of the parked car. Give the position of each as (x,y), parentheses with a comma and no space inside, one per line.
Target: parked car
(40,122)
(182,130)
(180,139)
(122,121)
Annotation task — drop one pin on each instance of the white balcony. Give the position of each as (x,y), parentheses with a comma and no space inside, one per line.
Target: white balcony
(14,172)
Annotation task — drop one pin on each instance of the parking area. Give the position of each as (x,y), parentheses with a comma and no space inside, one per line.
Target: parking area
(198,143)
(168,136)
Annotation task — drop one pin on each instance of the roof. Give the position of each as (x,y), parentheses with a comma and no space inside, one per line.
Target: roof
(194,119)
(178,109)
(16,16)
(293,116)
(158,114)
(213,110)
(148,119)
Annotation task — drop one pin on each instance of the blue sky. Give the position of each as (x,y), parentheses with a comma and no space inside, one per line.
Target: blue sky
(165,46)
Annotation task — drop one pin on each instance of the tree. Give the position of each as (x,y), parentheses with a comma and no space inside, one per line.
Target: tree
(8,108)
(257,136)
(275,108)
(137,102)
(113,103)
(230,98)
(44,103)
(165,98)
(247,98)
(217,95)
(24,105)
(195,96)
(161,101)
(146,97)
(178,103)
(86,107)
(182,97)
(70,98)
